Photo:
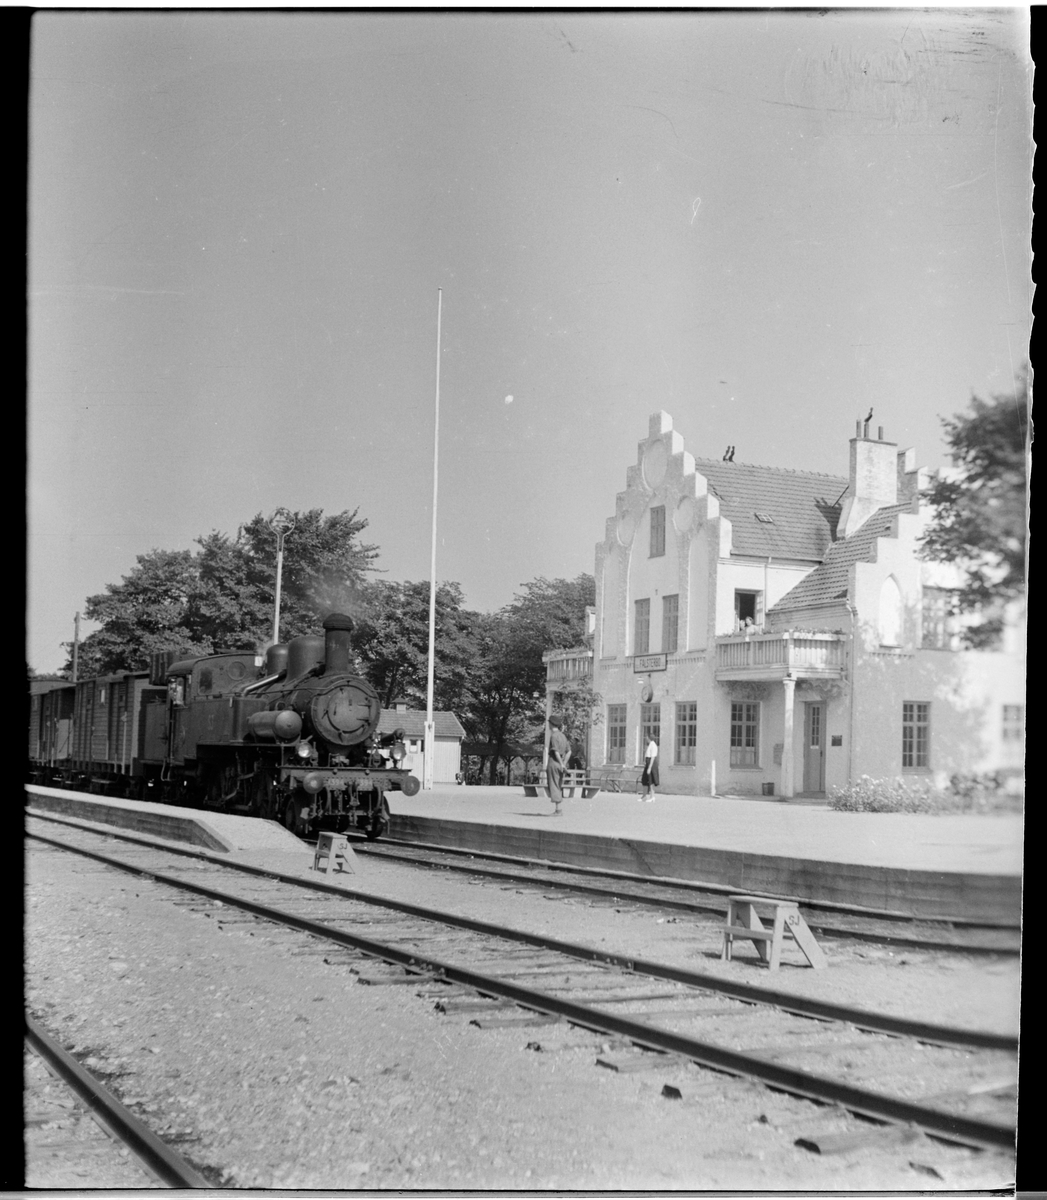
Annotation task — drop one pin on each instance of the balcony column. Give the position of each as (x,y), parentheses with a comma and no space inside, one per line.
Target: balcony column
(545,736)
(787,737)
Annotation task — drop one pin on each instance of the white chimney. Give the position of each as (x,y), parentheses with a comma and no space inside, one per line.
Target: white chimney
(874,481)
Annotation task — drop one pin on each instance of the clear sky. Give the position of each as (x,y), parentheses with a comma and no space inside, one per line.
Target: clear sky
(763,223)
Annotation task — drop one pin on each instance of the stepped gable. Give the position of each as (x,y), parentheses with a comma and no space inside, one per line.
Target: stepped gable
(774,511)
(830,580)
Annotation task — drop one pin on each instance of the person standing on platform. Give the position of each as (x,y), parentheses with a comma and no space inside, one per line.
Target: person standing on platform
(559,752)
(649,779)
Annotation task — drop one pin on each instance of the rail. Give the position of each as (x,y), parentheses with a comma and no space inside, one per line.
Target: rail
(643,1030)
(159,1159)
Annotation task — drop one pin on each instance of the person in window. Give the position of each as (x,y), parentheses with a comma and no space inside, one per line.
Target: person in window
(649,779)
(559,752)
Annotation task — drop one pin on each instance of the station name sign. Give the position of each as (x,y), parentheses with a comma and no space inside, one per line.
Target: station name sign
(649,662)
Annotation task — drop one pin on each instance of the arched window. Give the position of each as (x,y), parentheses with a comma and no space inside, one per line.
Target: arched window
(890,613)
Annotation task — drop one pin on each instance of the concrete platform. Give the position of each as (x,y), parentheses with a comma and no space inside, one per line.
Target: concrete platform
(931,866)
(217,832)
(946,866)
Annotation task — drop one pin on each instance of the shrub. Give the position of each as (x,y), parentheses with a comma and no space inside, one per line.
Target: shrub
(965,794)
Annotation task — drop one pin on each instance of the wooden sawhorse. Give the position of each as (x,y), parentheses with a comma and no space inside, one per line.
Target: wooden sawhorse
(743,921)
(336,849)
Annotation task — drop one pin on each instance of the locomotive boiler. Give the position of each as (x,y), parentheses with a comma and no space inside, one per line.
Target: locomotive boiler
(292,737)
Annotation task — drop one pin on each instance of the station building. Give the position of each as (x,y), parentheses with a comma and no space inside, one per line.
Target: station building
(777,633)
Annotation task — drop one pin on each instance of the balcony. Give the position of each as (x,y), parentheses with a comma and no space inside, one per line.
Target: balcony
(565,669)
(798,653)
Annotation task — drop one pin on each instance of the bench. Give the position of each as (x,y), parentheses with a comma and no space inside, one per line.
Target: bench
(615,778)
(573,782)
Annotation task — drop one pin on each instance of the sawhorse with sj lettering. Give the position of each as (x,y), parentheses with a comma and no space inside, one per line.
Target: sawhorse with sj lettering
(743,921)
(336,849)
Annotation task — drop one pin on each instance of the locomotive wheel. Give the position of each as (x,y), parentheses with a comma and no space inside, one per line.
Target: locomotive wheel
(293,816)
(379,822)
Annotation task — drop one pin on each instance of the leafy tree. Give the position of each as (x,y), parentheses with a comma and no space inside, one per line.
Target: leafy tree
(508,688)
(143,613)
(979,520)
(392,640)
(222,596)
(325,566)
(580,706)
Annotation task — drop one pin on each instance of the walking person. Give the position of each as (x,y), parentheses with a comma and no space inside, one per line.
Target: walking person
(649,779)
(559,753)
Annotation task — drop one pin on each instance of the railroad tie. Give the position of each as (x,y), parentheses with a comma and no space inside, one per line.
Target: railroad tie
(335,848)
(743,921)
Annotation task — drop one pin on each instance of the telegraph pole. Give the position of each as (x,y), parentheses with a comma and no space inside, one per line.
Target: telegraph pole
(429,753)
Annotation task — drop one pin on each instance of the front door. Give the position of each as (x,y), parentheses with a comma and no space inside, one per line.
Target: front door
(814,747)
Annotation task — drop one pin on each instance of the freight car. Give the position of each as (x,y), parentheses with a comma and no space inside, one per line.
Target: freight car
(291,736)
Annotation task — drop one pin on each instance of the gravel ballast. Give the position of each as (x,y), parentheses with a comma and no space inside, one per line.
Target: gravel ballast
(270,1069)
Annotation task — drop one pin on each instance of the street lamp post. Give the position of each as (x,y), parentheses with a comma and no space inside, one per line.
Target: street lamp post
(281,523)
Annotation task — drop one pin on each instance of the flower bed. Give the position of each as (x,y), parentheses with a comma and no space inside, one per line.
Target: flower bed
(965,794)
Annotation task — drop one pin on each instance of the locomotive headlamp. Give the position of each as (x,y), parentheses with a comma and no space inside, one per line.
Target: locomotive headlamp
(398,752)
(304,750)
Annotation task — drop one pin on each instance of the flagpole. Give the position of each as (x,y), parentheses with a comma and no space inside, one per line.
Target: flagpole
(429,753)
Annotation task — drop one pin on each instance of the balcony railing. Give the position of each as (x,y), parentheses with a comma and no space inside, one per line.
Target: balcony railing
(774,655)
(568,666)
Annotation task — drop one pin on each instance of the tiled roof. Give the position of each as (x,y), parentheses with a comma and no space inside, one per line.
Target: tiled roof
(829,580)
(773,511)
(412,722)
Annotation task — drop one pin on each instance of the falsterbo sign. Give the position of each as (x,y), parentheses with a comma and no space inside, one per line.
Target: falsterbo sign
(649,662)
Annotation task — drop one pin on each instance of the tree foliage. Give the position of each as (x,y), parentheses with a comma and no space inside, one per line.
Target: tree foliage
(392,641)
(221,597)
(488,666)
(508,687)
(979,516)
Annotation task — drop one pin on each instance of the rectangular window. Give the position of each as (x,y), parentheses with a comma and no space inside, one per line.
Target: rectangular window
(657,530)
(1013,722)
(642,628)
(616,733)
(650,725)
(670,624)
(686,732)
(745,734)
(748,609)
(916,735)
(937,619)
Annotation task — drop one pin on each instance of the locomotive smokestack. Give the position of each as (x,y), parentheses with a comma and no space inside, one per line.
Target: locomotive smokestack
(337,628)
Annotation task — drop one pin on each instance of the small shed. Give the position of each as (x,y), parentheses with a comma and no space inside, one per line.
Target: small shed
(447,760)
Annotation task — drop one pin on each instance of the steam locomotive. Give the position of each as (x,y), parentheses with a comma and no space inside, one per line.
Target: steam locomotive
(292,736)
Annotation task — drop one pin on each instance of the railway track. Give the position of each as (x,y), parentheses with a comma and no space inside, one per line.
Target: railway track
(162,1163)
(706,902)
(658,1017)
(703,899)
